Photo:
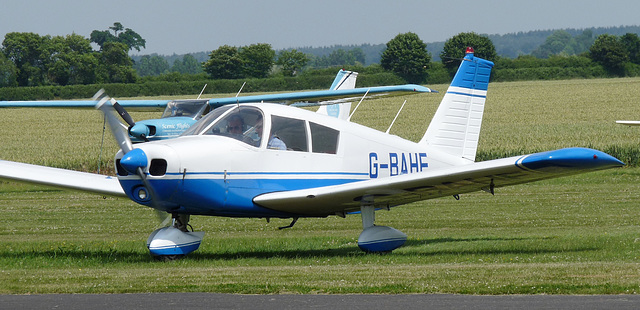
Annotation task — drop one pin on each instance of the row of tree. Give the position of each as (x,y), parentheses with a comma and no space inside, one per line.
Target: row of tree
(28,59)
(406,54)
(259,61)
(155,65)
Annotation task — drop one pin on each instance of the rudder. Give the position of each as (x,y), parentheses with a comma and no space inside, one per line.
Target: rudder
(455,127)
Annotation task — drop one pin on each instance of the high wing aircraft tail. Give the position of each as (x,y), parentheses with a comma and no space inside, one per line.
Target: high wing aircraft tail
(344,80)
(455,128)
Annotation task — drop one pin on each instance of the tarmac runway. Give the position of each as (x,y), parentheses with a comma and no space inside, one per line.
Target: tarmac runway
(351,302)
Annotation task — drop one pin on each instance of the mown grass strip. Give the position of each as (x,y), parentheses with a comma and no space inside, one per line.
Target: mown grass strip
(575,235)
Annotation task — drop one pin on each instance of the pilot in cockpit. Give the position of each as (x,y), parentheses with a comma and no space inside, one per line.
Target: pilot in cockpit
(235,126)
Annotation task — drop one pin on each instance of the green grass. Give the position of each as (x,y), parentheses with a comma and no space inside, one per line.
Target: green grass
(574,235)
(582,236)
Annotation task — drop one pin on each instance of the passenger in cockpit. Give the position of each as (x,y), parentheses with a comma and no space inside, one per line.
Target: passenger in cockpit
(274,142)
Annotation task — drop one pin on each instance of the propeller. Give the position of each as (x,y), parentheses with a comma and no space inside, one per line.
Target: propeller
(123,113)
(140,131)
(133,160)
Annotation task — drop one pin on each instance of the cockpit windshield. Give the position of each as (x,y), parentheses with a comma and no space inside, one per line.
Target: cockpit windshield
(241,123)
(186,108)
(206,121)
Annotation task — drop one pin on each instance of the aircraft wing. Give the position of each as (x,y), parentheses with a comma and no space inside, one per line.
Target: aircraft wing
(397,190)
(287,98)
(133,105)
(62,178)
(325,95)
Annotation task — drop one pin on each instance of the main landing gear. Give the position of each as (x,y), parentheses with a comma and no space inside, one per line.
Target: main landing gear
(176,241)
(378,239)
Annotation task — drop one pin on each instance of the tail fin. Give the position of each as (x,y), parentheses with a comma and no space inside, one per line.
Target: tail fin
(344,80)
(455,128)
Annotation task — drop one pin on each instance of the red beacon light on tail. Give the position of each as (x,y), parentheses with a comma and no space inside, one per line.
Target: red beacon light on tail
(469,50)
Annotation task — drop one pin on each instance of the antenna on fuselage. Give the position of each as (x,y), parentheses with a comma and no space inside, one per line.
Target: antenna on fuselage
(238,94)
(354,109)
(394,119)
(202,91)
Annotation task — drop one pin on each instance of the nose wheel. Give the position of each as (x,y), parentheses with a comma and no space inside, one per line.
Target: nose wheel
(176,241)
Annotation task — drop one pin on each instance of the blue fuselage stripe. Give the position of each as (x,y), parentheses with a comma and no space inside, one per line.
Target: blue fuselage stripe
(223,197)
(272,173)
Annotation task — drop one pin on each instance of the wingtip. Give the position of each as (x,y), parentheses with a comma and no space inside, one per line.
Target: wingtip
(571,158)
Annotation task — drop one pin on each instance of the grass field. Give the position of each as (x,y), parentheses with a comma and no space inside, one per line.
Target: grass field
(575,235)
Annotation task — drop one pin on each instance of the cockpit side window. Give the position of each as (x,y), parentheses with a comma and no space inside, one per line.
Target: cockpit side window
(324,139)
(290,131)
(240,124)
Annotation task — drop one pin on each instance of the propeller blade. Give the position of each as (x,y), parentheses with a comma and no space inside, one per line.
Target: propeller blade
(123,113)
(119,133)
(164,218)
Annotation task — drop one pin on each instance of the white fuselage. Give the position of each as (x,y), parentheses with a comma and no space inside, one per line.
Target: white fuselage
(219,175)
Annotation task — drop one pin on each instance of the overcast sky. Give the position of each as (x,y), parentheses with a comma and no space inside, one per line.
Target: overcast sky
(203,25)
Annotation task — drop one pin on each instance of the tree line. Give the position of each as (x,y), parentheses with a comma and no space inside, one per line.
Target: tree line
(28,59)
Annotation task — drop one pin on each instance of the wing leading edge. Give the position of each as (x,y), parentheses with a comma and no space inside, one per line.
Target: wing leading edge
(62,178)
(145,105)
(393,191)
(325,95)
(287,98)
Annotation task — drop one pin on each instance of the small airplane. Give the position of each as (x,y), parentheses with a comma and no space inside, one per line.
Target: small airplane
(263,160)
(179,115)
(629,123)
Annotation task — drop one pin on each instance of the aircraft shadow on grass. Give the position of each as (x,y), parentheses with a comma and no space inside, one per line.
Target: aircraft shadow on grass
(113,256)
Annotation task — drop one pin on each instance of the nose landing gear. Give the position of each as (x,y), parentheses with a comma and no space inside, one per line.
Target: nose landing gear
(176,241)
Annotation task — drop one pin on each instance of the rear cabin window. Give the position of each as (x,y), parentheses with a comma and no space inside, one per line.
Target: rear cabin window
(291,131)
(324,139)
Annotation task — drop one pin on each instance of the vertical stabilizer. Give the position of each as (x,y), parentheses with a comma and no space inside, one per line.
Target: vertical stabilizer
(455,128)
(344,80)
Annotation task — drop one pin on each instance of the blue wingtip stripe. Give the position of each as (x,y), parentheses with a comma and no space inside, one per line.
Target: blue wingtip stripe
(465,94)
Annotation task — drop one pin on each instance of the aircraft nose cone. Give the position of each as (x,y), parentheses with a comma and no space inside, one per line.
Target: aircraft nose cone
(133,160)
(139,131)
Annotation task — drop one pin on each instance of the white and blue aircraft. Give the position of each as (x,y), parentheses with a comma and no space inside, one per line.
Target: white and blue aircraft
(179,115)
(286,162)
